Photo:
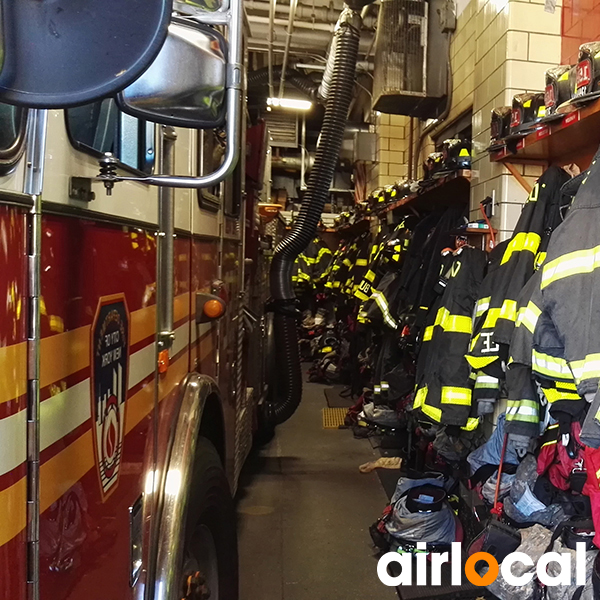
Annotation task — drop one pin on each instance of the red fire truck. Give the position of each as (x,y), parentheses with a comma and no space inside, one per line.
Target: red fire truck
(133,343)
(129,349)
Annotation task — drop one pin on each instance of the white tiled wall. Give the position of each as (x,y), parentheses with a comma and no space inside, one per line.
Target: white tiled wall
(516,43)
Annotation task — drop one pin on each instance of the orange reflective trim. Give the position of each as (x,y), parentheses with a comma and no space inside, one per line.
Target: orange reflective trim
(13,501)
(13,371)
(143,323)
(66,353)
(65,469)
(181,308)
(62,471)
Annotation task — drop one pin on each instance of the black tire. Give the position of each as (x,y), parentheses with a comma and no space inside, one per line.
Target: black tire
(211,508)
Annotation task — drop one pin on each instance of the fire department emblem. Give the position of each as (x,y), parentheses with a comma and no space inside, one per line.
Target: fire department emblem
(110,365)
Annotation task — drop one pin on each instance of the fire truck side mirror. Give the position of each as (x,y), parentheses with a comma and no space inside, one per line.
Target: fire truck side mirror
(186,84)
(195,82)
(69,54)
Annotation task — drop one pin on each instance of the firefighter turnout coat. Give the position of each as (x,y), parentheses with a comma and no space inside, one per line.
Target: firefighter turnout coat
(444,384)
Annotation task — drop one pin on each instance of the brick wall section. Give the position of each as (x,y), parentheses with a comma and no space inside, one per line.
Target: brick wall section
(392,151)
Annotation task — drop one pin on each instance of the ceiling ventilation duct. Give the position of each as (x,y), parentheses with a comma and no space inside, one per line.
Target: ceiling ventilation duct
(283,128)
(411,58)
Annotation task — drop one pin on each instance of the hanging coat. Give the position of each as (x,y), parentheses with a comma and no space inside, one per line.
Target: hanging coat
(444,389)
(518,263)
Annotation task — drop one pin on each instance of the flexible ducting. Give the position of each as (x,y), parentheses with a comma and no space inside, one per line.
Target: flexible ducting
(323,90)
(283,303)
(300,81)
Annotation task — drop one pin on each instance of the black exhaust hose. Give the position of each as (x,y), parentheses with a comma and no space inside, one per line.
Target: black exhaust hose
(283,301)
(301,82)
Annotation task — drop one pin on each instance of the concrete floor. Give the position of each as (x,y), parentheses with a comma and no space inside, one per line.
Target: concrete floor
(304,511)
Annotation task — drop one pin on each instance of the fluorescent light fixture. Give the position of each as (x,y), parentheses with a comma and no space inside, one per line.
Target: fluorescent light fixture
(289,103)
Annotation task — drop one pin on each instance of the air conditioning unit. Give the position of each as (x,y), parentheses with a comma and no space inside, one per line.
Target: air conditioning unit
(411,58)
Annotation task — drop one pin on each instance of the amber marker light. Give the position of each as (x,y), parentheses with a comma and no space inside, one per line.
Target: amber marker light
(213,309)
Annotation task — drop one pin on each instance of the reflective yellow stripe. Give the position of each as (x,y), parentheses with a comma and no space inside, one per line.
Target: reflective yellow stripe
(573,263)
(347,262)
(508,310)
(322,252)
(428,333)
(420,397)
(361,262)
(482,305)
(550,366)
(370,276)
(385,310)
(522,410)
(472,424)
(549,443)
(396,257)
(430,411)
(360,295)
(554,395)
(479,362)
(528,316)
(456,395)
(456,323)
(539,260)
(588,368)
(565,386)
(473,342)
(487,382)
(522,241)
(491,318)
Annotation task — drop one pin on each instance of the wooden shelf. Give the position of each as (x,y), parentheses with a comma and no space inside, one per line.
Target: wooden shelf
(574,138)
(446,191)
(473,231)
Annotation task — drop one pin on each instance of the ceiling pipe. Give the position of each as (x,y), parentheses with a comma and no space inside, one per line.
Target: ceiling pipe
(288,41)
(317,14)
(272,8)
(321,14)
(293,163)
(297,24)
(305,42)
(361,65)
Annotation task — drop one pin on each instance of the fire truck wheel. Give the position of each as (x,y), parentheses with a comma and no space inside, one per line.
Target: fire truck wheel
(210,560)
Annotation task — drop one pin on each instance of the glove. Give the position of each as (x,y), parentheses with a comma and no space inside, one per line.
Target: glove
(485,407)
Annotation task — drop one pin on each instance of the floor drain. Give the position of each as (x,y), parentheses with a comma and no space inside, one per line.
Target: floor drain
(333,418)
